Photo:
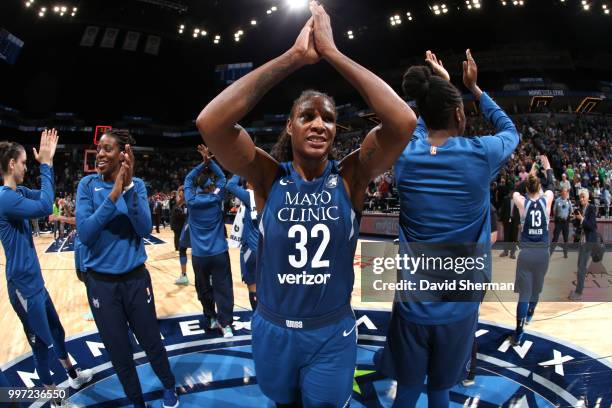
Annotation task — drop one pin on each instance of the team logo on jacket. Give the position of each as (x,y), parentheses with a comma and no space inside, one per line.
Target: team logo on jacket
(332,181)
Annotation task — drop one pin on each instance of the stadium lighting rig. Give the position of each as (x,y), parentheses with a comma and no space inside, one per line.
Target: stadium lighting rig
(59,9)
(439,9)
(516,3)
(605,9)
(409,16)
(395,20)
(350,35)
(472,4)
(296,4)
(586,6)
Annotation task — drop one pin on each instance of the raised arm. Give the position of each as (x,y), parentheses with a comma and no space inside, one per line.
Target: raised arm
(383,145)
(135,196)
(501,145)
(21,207)
(519,202)
(217,122)
(235,189)
(36,203)
(195,200)
(190,185)
(221,180)
(32,194)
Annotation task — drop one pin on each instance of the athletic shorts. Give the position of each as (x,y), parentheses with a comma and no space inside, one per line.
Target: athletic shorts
(315,365)
(440,352)
(531,268)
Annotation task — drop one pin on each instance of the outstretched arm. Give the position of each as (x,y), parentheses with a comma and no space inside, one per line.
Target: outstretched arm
(519,201)
(36,203)
(235,189)
(501,145)
(383,145)
(217,122)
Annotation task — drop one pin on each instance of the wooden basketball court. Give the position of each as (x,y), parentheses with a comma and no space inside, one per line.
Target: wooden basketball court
(583,324)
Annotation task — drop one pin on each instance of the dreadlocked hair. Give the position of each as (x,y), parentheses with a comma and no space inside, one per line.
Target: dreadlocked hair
(282,150)
(8,151)
(122,136)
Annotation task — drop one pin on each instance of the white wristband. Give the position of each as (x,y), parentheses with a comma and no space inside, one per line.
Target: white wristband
(128,188)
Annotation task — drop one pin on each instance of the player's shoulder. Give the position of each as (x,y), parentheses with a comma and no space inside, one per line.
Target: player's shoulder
(88,179)
(474,143)
(7,197)
(87,182)
(6,192)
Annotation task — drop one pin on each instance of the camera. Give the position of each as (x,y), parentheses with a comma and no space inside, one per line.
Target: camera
(538,163)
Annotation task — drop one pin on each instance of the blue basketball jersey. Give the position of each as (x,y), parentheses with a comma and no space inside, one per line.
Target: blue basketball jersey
(535,222)
(308,236)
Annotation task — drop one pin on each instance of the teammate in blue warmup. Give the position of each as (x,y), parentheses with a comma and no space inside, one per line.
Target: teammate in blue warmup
(440,171)
(25,284)
(209,251)
(178,219)
(250,236)
(532,262)
(112,214)
(304,337)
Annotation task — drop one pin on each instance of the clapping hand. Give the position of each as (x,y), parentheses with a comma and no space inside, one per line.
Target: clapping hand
(203,150)
(48,144)
(128,163)
(323,34)
(470,74)
(436,65)
(304,47)
(119,183)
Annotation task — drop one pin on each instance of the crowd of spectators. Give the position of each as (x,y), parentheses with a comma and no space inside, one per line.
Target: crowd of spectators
(579,148)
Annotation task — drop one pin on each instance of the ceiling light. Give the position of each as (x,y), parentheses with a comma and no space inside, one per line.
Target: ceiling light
(296,4)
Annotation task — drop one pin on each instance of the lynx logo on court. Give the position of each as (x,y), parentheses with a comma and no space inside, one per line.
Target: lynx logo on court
(541,372)
(66,244)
